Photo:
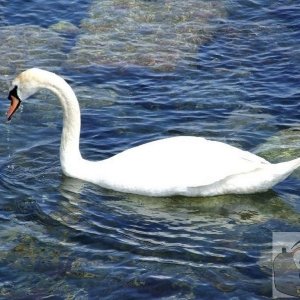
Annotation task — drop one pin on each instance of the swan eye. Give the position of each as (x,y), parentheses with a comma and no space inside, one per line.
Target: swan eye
(14,92)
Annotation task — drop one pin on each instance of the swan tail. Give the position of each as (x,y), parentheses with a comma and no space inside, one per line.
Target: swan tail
(258,180)
(275,173)
(284,169)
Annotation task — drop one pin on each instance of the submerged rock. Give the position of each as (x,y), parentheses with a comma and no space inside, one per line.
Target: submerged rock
(28,46)
(65,27)
(283,146)
(42,266)
(156,34)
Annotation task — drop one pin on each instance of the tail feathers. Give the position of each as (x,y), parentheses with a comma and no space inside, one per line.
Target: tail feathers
(258,180)
(286,168)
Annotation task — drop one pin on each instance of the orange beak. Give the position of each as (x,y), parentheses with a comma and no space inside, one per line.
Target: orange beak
(14,105)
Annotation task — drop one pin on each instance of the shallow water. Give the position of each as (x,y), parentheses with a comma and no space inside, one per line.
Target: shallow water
(65,239)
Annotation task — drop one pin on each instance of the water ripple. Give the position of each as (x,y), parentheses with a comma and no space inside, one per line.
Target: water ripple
(238,83)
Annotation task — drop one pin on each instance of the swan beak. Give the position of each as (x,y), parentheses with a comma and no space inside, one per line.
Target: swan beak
(14,105)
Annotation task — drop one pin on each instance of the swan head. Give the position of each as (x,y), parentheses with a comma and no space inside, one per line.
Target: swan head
(23,86)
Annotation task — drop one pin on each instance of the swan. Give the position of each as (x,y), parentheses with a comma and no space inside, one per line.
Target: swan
(182,165)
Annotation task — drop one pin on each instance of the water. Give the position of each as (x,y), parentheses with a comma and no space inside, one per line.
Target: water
(66,239)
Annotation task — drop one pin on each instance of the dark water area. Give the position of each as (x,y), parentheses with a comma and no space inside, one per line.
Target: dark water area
(228,71)
(44,13)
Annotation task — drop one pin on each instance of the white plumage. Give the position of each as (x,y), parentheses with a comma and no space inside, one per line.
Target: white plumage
(183,165)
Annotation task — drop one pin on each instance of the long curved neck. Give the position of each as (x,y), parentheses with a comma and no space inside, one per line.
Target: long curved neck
(69,148)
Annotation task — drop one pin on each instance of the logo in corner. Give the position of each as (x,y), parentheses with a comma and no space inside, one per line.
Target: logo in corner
(286,265)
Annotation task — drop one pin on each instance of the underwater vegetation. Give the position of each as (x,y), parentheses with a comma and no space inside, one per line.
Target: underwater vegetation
(282,146)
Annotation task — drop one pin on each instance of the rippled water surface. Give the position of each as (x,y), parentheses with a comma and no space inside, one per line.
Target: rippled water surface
(142,70)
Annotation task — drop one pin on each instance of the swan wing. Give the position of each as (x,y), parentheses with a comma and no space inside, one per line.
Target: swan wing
(176,163)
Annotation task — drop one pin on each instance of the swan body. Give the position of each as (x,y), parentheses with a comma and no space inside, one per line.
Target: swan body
(183,165)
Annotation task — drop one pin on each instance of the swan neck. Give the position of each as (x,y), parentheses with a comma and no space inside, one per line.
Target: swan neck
(69,147)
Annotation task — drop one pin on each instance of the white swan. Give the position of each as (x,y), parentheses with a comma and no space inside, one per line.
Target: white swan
(183,165)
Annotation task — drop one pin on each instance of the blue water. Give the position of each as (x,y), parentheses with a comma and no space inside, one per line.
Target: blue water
(66,239)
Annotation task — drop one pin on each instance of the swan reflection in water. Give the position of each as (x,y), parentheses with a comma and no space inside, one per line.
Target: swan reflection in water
(233,209)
